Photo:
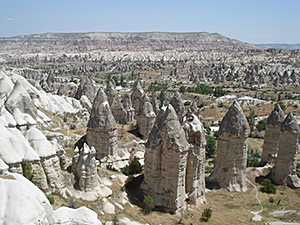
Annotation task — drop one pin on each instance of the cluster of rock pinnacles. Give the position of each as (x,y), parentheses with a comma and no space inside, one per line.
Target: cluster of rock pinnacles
(174,171)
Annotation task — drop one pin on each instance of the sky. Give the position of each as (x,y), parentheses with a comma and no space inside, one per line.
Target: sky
(252,21)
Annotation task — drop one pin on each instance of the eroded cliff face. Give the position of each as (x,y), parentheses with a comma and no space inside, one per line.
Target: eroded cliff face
(165,162)
(231,161)
(102,129)
(272,136)
(284,171)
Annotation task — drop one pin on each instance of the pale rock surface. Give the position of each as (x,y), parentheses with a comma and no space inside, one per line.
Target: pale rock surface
(177,103)
(49,159)
(40,143)
(20,105)
(86,103)
(195,171)
(102,129)
(195,110)
(165,162)
(145,117)
(110,92)
(230,168)
(107,207)
(80,216)
(118,110)
(22,202)
(284,171)
(62,90)
(6,85)
(272,136)
(137,96)
(3,167)
(127,104)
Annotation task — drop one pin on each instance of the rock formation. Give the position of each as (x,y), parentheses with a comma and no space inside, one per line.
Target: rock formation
(49,160)
(137,96)
(165,162)
(127,104)
(84,166)
(155,104)
(110,92)
(284,171)
(86,88)
(272,136)
(178,105)
(102,129)
(231,161)
(195,170)
(145,117)
(195,110)
(20,105)
(118,110)
(62,90)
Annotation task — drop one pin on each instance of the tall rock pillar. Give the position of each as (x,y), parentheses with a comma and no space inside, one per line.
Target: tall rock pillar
(284,171)
(231,161)
(272,136)
(165,162)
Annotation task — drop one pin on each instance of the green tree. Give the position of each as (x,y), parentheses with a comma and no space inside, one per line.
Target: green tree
(162,98)
(251,119)
(261,125)
(219,92)
(253,157)
(182,89)
(134,167)
(206,214)
(148,204)
(210,147)
(268,187)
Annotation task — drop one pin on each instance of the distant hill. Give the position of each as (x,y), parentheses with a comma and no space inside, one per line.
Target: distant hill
(279,46)
(113,41)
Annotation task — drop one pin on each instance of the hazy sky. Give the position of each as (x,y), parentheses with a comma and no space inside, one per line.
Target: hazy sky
(253,21)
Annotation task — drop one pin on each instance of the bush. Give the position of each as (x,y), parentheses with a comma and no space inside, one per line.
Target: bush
(134,167)
(50,199)
(210,146)
(268,187)
(253,157)
(206,215)
(271,199)
(27,171)
(148,204)
(261,125)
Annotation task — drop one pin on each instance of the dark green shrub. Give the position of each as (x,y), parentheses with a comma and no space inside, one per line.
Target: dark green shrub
(261,125)
(268,187)
(210,146)
(50,199)
(110,167)
(148,204)
(271,199)
(27,171)
(206,214)
(134,167)
(253,157)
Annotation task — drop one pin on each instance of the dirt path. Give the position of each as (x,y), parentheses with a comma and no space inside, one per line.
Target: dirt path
(256,217)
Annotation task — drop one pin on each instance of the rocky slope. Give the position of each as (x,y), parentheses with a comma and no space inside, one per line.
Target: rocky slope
(82,42)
